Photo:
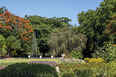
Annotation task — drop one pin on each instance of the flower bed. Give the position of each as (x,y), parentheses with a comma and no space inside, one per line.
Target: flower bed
(88,69)
(97,60)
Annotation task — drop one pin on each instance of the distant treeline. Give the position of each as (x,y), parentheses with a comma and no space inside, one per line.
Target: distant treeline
(95,35)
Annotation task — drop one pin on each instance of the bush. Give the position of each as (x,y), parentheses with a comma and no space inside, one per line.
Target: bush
(75,70)
(110,69)
(28,70)
(76,55)
(68,58)
(90,60)
(107,52)
(79,73)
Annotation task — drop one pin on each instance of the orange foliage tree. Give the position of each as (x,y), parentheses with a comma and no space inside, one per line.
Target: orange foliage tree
(111,28)
(11,24)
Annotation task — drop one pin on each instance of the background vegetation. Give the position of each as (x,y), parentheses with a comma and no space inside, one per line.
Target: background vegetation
(95,36)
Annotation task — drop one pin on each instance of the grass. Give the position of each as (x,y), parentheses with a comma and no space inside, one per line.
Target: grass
(13,61)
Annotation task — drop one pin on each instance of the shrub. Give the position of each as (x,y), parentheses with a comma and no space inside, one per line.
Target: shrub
(100,53)
(28,70)
(68,58)
(75,70)
(90,60)
(107,52)
(76,55)
(110,69)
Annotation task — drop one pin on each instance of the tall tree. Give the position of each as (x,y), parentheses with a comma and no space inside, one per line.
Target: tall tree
(65,41)
(2,44)
(43,26)
(2,10)
(12,25)
(92,24)
(111,28)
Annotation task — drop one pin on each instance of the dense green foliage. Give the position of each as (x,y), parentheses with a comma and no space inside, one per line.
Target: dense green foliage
(88,69)
(12,44)
(107,52)
(111,28)
(94,37)
(93,25)
(17,33)
(43,26)
(2,45)
(28,70)
(2,41)
(2,10)
(56,36)
(65,41)
(77,55)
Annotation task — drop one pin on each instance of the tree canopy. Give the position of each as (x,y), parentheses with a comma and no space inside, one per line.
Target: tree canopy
(43,26)
(17,31)
(93,24)
(95,36)
(65,41)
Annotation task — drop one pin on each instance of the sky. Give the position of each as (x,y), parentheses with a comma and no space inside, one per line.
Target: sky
(50,8)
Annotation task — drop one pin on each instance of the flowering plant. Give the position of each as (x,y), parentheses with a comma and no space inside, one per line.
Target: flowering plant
(69,59)
(12,24)
(97,60)
(20,28)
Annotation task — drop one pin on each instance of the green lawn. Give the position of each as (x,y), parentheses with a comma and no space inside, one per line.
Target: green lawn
(13,60)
